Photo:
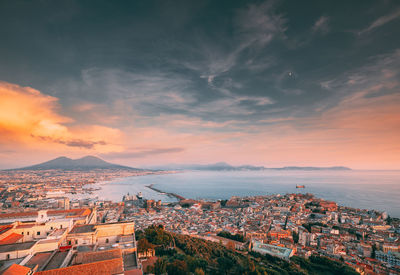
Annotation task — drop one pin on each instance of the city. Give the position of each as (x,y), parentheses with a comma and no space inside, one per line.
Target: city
(44,231)
(194,137)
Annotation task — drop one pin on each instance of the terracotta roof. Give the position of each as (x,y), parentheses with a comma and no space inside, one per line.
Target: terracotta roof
(5,228)
(71,212)
(27,225)
(96,256)
(16,269)
(114,266)
(12,238)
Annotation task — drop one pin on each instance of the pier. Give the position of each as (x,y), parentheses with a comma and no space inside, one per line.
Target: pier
(167,193)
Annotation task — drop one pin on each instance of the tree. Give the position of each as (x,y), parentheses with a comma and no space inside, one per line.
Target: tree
(199,271)
(143,245)
(389,220)
(225,264)
(295,236)
(373,253)
(177,267)
(160,266)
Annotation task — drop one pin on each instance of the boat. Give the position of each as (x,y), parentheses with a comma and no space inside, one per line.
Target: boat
(139,196)
(300,186)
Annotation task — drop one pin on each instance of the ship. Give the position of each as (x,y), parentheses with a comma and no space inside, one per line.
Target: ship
(300,186)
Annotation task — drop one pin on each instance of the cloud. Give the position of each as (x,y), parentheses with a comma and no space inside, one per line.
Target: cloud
(321,25)
(72,142)
(143,152)
(31,118)
(153,94)
(259,24)
(254,27)
(381,21)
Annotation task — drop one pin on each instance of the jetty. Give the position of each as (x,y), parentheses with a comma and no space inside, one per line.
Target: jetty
(151,186)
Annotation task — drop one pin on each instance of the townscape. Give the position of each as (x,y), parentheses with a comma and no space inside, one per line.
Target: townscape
(64,231)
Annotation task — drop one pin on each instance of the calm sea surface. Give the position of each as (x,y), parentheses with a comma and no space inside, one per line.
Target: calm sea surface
(378,190)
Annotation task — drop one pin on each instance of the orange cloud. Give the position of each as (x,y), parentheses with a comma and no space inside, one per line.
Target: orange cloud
(30,118)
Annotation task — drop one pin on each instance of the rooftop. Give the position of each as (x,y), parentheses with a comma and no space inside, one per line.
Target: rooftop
(16,269)
(83,229)
(91,256)
(272,249)
(10,239)
(16,246)
(113,266)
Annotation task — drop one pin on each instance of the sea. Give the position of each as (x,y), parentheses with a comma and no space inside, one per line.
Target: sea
(379,190)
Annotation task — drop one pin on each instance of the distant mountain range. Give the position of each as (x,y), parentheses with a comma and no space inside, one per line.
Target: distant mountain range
(82,164)
(222,166)
(92,162)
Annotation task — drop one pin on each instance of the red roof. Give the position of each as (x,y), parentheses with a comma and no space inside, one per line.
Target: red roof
(16,269)
(114,266)
(5,228)
(12,238)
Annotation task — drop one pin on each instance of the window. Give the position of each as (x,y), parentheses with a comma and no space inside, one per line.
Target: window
(27,233)
(22,233)
(76,241)
(69,242)
(8,256)
(51,228)
(38,233)
(107,241)
(60,226)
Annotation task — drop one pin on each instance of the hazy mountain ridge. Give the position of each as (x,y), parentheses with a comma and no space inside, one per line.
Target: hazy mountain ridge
(223,166)
(85,163)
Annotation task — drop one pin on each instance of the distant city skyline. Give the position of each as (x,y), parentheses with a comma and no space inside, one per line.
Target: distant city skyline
(271,83)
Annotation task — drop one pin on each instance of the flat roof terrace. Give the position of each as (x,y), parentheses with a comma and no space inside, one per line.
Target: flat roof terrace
(78,229)
(38,259)
(56,260)
(16,246)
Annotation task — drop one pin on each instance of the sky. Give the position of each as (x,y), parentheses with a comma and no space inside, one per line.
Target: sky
(142,83)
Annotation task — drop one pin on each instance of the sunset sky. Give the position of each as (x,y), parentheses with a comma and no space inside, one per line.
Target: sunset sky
(142,83)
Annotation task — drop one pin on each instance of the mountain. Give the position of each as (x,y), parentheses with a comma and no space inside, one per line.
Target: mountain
(310,168)
(223,166)
(85,163)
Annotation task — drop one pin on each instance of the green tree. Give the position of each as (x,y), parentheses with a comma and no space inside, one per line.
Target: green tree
(144,245)
(225,264)
(295,236)
(177,267)
(199,271)
(373,253)
(160,266)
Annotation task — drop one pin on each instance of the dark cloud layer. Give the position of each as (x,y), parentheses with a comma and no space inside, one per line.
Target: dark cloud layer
(191,57)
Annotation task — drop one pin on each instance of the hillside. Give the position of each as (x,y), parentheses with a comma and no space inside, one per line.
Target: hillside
(191,255)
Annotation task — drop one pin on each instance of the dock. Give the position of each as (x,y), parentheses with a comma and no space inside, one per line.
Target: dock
(166,193)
